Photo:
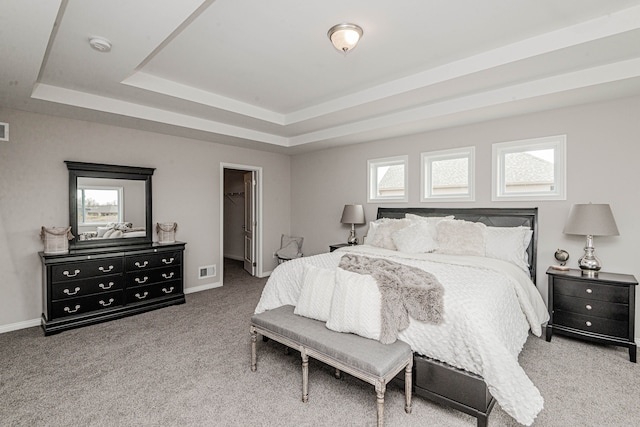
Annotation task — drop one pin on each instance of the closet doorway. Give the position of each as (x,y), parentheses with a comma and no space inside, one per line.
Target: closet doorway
(241,215)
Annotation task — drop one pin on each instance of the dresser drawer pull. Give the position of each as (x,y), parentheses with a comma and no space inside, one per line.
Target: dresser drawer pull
(144,264)
(588,307)
(139,280)
(167,276)
(75,291)
(105,270)
(103,286)
(589,291)
(143,296)
(170,261)
(106,304)
(68,310)
(167,291)
(75,273)
(587,323)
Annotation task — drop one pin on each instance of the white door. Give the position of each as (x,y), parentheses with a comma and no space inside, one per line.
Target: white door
(249,222)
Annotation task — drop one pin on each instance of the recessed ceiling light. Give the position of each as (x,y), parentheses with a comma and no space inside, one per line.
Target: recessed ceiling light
(100,44)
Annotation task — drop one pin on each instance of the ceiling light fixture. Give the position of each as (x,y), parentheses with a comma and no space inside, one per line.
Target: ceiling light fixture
(345,36)
(100,44)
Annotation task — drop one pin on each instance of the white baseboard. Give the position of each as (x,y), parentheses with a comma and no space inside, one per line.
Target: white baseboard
(19,325)
(200,288)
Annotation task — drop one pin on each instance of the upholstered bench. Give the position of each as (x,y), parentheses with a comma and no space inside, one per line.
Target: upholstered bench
(366,359)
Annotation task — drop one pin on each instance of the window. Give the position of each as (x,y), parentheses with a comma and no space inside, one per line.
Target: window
(448,175)
(532,169)
(388,179)
(99,205)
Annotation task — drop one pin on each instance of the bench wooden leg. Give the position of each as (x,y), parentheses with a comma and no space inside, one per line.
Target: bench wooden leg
(254,337)
(305,376)
(407,386)
(338,374)
(380,389)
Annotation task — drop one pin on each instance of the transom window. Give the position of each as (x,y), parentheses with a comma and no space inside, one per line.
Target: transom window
(388,180)
(532,169)
(99,205)
(448,175)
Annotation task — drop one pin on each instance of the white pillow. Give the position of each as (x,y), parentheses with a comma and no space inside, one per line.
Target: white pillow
(416,238)
(509,244)
(355,307)
(102,230)
(458,237)
(434,220)
(384,230)
(316,293)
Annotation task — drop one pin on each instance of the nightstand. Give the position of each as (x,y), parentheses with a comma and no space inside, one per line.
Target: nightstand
(336,246)
(599,309)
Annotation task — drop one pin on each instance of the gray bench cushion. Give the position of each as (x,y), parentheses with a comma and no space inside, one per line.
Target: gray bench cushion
(364,354)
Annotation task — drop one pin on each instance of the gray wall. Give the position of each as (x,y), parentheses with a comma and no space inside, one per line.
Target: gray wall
(603,150)
(186,189)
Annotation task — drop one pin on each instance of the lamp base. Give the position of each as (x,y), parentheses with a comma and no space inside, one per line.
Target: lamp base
(588,263)
(352,240)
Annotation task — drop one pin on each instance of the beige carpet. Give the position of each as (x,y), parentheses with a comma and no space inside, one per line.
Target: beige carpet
(188,365)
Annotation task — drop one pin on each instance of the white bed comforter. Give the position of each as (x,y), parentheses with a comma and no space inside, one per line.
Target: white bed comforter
(490,305)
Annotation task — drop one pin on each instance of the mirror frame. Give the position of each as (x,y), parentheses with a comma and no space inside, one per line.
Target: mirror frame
(97,170)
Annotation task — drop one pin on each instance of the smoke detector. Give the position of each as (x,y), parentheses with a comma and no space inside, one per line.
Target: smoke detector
(100,44)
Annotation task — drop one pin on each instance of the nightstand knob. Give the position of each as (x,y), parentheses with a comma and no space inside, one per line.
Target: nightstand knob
(588,323)
(589,290)
(588,307)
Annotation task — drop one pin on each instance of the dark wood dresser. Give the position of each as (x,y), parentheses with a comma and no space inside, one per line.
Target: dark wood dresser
(599,309)
(88,286)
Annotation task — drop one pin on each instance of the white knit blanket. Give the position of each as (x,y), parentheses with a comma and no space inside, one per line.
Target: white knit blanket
(489,307)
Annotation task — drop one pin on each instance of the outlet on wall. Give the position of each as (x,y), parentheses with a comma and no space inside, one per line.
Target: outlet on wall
(206,271)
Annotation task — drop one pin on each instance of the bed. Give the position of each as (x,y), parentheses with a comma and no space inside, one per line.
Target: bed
(470,360)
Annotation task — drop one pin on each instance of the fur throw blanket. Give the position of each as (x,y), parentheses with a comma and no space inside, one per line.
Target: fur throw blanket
(405,291)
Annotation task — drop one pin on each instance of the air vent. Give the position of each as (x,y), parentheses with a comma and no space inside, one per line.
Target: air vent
(4,131)
(206,271)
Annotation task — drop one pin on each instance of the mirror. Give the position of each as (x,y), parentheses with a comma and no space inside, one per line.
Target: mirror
(109,205)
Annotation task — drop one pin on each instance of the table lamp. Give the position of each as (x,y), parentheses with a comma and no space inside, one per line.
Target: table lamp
(353,214)
(591,220)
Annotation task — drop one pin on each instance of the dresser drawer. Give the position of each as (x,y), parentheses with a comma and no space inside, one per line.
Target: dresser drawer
(76,288)
(591,290)
(145,293)
(598,325)
(74,306)
(84,269)
(153,260)
(148,277)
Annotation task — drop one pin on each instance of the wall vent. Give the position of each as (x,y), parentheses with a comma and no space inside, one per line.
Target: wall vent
(206,271)
(4,131)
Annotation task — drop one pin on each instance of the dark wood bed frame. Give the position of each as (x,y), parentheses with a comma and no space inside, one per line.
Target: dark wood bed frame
(438,381)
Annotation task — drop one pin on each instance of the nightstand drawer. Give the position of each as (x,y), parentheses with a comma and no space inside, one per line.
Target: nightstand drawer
(594,324)
(591,290)
(588,307)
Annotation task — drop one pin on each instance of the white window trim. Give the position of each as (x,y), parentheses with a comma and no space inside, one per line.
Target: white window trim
(557,142)
(427,158)
(120,191)
(372,166)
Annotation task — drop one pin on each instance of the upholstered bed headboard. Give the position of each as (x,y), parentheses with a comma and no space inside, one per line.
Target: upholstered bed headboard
(495,217)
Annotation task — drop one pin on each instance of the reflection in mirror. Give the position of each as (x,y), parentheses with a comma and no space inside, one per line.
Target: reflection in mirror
(110,208)
(109,205)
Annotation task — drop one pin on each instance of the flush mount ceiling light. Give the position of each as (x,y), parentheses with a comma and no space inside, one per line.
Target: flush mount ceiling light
(345,36)
(100,44)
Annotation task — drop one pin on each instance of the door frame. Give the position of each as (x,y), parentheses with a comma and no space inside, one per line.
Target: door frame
(257,240)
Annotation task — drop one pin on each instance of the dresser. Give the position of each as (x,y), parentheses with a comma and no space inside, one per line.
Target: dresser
(88,286)
(599,308)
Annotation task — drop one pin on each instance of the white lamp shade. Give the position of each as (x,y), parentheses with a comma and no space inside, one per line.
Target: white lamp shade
(353,214)
(591,220)
(345,37)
